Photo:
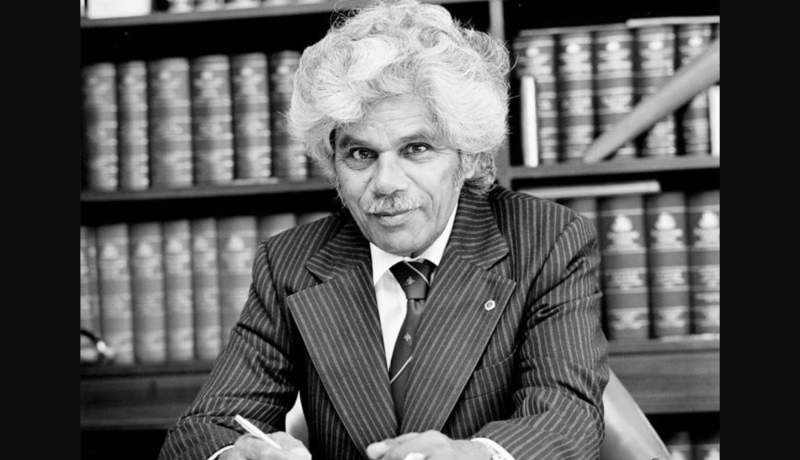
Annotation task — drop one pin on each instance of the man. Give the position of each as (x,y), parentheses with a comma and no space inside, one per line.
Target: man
(490,349)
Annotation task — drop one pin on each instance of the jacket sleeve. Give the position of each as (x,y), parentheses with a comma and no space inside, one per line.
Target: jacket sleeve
(252,376)
(563,362)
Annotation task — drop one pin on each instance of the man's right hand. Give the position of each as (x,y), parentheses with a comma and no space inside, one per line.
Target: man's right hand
(249,447)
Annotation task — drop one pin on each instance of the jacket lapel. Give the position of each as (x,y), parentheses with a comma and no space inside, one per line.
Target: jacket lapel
(339,322)
(466,301)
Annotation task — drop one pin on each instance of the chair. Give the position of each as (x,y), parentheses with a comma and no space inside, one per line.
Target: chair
(628,436)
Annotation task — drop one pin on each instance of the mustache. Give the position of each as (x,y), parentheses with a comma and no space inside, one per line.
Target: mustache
(390,204)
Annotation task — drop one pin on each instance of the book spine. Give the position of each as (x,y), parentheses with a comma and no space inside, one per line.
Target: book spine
(624,258)
(614,81)
(252,137)
(205,288)
(586,206)
(100,138)
(706,445)
(237,244)
(271,224)
(679,444)
(169,127)
(668,264)
(655,64)
(289,158)
(212,131)
(114,282)
(90,303)
(132,117)
(692,40)
(704,257)
(575,74)
(539,103)
(147,290)
(178,290)
(713,116)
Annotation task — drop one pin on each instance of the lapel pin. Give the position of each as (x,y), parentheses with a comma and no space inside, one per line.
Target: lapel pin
(489,306)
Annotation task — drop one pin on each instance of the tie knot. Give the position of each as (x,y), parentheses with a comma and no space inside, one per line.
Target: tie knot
(414,277)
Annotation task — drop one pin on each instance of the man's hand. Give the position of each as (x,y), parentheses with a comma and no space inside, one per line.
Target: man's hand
(249,447)
(430,445)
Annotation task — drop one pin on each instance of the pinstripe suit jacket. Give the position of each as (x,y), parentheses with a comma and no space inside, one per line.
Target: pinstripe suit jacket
(528,374)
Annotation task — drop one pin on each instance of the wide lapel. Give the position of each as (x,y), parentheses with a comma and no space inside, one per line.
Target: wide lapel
(339,322)
(466,301)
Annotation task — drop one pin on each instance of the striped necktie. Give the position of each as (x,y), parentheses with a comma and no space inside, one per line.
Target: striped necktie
(414,278)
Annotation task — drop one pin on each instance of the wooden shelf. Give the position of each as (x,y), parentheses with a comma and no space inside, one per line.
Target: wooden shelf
(164,18)
(616,167)
(663,376)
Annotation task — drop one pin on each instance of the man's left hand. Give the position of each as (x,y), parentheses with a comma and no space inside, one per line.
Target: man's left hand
(430,445)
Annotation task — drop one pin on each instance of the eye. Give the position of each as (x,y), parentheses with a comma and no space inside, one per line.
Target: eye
(416,149)
(361,154)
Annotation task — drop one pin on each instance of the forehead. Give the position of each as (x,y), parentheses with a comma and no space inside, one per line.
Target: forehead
(390,120)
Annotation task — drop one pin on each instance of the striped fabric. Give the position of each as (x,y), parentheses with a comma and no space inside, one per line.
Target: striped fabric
(509,348)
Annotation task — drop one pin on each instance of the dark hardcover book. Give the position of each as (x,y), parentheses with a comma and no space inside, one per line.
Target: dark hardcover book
(147,290)
(90,303)
(703,209)
(692,40)
(99,122)
(538,98)
(668,264)
(205,288)
(624,258)
(654,65)
(251,126)
(271,224)
(289,158)
(169,124)
(114,282)
(574,80)
(614,81)
(134,170)
(178,290)
(237,245)
(212,130)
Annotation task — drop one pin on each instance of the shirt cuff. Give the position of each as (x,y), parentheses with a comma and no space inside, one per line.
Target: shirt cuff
(499,452)
(216,454)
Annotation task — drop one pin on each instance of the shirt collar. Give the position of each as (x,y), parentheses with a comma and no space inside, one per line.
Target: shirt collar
(382,260)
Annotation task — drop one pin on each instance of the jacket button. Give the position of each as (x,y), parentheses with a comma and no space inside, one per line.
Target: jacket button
(490,305)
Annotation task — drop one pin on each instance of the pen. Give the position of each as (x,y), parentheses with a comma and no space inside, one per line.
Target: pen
(252,429)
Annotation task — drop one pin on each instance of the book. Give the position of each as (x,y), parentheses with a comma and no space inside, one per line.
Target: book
(114,283)
(178,290)
(624,258)
(237,245)
(679,444)
(614,81)
(668,264)
(209,5)
(654,65)
(169,124)
(212,131)
(288,156)
(90,302)
(102,9)
(179,6)
(205,288)
(705,444)
(538,99)
(250,110)
(692,40)
(703,213)
(134,171)
(147,291)
(272,224)
(713,109)
(586,206)
(99,120)
(594,190)
(575,88)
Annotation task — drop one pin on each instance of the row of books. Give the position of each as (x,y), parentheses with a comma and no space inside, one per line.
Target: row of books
(578,82)
(171,291)
(660,262)
(692,444)
(101,9)
(185,121)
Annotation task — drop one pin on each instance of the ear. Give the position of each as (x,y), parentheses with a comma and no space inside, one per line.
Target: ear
(470,165)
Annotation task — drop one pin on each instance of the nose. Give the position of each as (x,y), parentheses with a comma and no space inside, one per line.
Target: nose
(389,176)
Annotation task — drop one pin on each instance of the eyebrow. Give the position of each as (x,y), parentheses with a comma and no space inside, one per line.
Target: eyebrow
(347,140)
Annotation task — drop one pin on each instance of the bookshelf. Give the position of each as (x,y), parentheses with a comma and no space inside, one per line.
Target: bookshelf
(678,377)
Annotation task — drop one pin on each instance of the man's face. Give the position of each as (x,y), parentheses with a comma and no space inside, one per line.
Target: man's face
(397,177)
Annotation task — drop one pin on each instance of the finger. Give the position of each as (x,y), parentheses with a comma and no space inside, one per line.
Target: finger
(378,449)
(290,443)
(414,456)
